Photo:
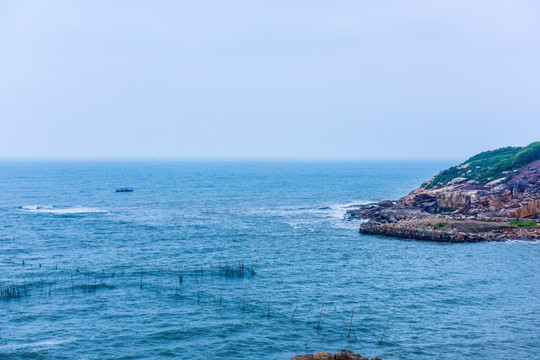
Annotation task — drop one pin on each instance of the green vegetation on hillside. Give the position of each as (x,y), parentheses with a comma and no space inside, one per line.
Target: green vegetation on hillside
(490,165)
(523,223)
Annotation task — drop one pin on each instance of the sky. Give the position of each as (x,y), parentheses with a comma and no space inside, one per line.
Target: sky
(302,79)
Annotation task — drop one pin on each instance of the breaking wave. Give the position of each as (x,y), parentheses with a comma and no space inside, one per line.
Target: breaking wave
(336,211)
(306,217)
(61,210)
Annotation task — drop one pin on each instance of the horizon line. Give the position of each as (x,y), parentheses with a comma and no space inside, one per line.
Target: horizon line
(216,159)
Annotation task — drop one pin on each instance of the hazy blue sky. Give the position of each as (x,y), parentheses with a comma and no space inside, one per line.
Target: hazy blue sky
(274,79)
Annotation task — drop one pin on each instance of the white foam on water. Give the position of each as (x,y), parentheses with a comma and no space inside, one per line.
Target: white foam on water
(338,210)
(304,217)
(518,241)
(38,209)
(35,345)
(331,211)
(35,207)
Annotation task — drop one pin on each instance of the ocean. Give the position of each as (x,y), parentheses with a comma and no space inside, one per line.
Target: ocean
(245,260)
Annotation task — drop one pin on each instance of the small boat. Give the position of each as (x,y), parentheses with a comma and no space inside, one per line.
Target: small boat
(124,190)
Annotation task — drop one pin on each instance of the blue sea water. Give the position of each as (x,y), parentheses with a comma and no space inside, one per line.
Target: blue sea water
(80,252)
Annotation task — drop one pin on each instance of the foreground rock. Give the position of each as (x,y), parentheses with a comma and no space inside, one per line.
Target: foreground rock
(343,355)
(475,201)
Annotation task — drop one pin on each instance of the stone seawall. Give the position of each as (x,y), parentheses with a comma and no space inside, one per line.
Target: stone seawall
(395,230)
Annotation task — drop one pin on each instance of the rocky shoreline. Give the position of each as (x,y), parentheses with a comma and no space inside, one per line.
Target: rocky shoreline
(456,206)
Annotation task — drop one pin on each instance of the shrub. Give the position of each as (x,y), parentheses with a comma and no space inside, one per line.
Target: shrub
(523,223)
(490,165)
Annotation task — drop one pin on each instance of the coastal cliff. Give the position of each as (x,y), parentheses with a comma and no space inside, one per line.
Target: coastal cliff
(493,196)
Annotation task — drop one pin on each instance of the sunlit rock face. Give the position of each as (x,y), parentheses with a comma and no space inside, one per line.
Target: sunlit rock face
(517,195)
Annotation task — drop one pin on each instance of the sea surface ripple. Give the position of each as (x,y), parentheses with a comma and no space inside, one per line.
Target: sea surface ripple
(155,273)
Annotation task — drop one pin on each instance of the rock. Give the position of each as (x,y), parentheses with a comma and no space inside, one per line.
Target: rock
(457,180)
(424,197)
(454,200)
(526,209)
(343,355)
(385,204)
(317,356)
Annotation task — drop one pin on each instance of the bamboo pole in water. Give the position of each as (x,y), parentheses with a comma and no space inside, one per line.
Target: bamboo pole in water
(384,332)
(320,317)
(294,312)
(350,325)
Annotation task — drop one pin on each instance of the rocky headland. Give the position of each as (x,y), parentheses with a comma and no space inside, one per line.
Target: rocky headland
(493,196)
